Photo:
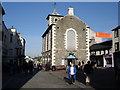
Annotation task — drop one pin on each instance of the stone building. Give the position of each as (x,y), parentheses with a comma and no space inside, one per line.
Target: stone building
(66,36)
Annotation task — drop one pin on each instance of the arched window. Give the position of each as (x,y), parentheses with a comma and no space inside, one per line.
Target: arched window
(71,42)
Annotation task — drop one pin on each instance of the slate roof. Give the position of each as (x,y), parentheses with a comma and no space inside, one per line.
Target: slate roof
(118,27)
(101,46)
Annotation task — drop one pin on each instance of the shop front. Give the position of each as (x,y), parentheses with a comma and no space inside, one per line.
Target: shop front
(102,60)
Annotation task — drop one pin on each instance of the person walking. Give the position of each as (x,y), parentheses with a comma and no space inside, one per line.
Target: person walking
(30,65)
(88,70)
(72,73)
(67,66)
(82,66)
(79,66)
(25,67)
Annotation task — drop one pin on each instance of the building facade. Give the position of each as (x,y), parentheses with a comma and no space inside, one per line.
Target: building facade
(64,36)
(101,53)
(116,51)
(116,45)
(116,39)
(13,46)
(1,16)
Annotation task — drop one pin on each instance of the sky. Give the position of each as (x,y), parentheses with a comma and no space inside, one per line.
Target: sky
(29,18)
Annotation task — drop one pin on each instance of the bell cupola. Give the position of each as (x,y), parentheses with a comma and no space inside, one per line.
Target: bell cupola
(54,17)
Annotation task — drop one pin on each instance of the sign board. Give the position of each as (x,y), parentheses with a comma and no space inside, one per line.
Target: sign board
(103,35)
(108,56)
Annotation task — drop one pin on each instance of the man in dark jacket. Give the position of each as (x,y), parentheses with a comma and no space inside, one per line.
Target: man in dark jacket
(88,69)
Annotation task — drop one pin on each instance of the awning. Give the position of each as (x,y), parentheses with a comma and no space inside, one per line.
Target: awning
(71,56)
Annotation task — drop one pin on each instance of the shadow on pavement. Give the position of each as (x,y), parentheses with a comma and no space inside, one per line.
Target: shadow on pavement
(81,77)
(67,80)
(101,78)
(17,80)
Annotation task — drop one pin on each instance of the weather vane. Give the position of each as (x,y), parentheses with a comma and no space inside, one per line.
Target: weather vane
(54,12)
(70,6)
(54,5)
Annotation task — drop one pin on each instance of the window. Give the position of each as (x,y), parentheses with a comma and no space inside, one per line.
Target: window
(106,52)
(48,38)
(116,33)
(11,35)
(97,52)
(102,52)
(71,40)
(117,46)
(10,52)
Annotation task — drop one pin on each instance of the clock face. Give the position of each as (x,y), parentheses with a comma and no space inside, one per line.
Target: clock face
(54,19)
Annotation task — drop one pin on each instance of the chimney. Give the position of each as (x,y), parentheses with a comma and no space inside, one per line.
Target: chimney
(70,11)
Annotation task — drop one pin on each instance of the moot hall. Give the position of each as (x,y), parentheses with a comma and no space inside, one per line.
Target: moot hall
(67,39)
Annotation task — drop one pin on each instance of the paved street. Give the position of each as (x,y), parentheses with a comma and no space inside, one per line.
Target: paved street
(17,80)
(101,78)
(46,80)
(50,80)
(41,79)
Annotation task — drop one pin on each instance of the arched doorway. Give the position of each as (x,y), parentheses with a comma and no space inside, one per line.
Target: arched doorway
(71,58)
